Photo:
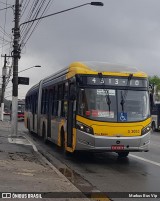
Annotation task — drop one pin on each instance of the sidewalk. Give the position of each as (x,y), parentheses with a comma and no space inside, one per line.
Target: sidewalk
(22,169)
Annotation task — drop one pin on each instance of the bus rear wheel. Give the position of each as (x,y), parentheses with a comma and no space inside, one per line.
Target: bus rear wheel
(62,140)
(123,154)
(44,134)
(28,125)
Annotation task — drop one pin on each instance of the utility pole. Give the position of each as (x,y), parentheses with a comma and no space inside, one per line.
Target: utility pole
(16,56)
(4,72)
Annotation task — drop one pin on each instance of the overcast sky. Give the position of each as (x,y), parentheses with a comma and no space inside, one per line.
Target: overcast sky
(122,31)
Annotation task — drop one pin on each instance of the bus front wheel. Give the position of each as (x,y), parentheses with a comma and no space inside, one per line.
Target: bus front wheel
(123,154)
(154,126)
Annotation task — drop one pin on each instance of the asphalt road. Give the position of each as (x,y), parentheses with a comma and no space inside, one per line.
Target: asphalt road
(139,172)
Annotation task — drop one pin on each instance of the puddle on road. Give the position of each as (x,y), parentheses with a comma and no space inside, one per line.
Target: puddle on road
(67,173)
(84,186)
(77,180)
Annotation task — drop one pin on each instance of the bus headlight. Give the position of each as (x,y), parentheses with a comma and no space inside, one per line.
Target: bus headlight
(146,129)
(84,128)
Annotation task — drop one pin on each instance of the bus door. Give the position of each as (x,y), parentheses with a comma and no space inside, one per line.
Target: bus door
(158,115)
(49,113)
(70,115)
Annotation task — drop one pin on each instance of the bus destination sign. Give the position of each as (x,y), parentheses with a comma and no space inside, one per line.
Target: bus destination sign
(134,82)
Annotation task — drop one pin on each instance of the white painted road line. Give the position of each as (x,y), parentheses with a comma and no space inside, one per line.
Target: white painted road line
(146,160)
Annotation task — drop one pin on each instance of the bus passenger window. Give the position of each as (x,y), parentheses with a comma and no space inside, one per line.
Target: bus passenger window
(65,109)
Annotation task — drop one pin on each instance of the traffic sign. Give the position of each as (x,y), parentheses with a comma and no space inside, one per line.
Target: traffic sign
(23,80)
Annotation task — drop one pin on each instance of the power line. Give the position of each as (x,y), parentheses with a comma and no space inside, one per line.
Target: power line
(36,24)
(4,3)
(4,40)
(3,32)
(6,8)
(23,41)
(33,13)
(4,26)
(24,7)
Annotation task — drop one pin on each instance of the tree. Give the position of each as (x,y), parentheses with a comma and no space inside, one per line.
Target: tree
(155,80)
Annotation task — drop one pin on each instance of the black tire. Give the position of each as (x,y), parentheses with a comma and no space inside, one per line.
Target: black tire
(154,127)
(62,140)
(28,126)
(123,154)
(44,134)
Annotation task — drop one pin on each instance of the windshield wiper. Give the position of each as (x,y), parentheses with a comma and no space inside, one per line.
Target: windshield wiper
(123,96)
(108,100)
(102,81)
(122,102)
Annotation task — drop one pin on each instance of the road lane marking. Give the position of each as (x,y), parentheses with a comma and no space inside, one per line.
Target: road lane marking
(146,160)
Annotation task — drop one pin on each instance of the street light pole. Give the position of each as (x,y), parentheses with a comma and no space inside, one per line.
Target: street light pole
(36,66)
(16,56)
(92,3)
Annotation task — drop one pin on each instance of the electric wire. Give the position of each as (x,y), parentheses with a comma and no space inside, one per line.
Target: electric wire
(24,8)
(5,3)
(37,8)
(36,24)
(5,33)
(32,15)
(31,11)
(5,8)
(5,19)
(29,32)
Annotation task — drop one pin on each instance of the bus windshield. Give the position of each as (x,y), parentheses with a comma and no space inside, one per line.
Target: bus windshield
(106,105)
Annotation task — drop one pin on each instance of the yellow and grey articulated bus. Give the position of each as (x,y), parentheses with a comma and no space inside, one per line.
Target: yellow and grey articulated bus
(92,106)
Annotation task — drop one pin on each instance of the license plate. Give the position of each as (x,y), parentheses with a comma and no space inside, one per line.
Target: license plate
(117,147)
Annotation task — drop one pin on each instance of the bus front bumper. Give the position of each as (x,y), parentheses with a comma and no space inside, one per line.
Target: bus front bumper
(85,141)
